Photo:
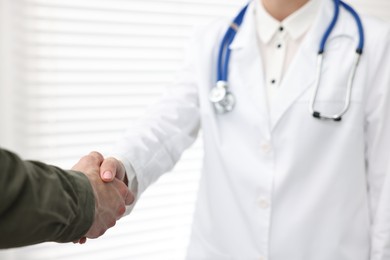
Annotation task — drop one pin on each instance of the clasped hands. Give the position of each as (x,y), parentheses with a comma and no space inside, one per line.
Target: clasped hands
(109,184)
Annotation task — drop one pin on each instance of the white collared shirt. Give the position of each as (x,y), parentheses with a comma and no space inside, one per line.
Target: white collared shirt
(279,41)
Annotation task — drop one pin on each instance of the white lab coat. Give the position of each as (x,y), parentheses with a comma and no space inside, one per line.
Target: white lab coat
(278,184)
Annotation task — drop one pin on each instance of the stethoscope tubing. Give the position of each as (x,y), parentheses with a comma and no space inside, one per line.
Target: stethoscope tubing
(359,25)
(359,51)
(222,87)
(224,50)
(337,4)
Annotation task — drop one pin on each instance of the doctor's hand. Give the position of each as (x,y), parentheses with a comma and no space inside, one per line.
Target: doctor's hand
(112,168)
(110,198)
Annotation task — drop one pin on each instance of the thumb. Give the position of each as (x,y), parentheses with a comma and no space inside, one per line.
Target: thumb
(112,168)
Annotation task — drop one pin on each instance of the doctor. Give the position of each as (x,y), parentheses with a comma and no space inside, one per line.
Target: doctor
(278,183)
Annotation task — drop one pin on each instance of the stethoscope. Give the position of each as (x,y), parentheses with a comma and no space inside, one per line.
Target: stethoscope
(223,99)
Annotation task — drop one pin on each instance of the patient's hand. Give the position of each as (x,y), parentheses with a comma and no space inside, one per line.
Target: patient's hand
(110,197)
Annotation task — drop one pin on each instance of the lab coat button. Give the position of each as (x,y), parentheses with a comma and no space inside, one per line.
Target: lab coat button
(263,203)
(266,147)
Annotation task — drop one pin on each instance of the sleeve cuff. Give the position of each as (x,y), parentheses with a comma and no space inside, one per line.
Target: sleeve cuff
(86,207)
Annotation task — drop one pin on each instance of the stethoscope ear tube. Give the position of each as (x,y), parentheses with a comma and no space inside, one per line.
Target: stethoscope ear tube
(359,50)
(347,100)
(220,96)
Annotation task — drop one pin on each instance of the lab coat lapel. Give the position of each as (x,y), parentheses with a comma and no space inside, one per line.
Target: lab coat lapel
(301,73)
(299,77)
(246,70)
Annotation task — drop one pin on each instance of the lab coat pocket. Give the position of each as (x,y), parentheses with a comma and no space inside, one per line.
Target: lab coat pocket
(201,249)
(339,41)
(338,62)
(331,99)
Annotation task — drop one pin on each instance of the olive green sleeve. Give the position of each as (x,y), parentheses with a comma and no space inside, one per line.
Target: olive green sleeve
(39,203)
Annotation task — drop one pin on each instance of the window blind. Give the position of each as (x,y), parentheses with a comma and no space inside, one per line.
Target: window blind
(88,67)
(84,70)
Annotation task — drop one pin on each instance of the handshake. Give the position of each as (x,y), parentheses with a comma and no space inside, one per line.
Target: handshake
(109,183)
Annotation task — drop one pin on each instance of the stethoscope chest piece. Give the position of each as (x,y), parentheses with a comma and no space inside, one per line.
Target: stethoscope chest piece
(222,99)
(218,93)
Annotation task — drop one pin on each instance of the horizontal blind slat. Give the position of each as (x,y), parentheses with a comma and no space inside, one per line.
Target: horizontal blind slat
(87,70)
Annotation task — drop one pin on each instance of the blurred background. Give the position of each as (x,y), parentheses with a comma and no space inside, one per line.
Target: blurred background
(74,74)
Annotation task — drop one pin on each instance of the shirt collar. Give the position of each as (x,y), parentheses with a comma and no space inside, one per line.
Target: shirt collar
(295,24)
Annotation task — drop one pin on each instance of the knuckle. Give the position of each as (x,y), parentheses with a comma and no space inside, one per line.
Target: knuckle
(125,193)
(102,231)
(96,155)
(121,187)
(110,162)
(93,234)
(106,166)
(112,223)
(84,158)
(121,210)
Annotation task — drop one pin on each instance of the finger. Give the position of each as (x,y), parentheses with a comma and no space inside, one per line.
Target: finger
(82,240)
(111,168)
(124,191)
(129,198)
(121,211)
(97,156)
(108,170)
(94,159)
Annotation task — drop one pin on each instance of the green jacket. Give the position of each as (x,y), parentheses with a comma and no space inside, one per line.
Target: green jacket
(39,203)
